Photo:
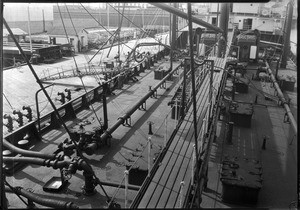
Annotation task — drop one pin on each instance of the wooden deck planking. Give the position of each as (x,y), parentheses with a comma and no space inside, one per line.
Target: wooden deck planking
(175,148)
(176,186)
(145,200)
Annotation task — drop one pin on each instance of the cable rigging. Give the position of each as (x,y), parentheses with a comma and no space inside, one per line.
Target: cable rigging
(74,142)
(112,34)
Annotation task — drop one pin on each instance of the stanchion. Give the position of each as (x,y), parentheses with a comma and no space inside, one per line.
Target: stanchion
(181,194)
(176,113)
(193,164)
(149,154)
(166,132)
(204,125)
(126,172)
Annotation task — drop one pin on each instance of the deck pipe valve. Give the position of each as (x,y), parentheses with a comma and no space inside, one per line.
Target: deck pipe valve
(67,147)
(20,117)
(68,91)
(9,123)
(63,97)
(29,113)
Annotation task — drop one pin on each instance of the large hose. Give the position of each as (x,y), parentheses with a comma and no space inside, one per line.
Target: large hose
(57,204)
(30,160)
(281,97)
(27,153)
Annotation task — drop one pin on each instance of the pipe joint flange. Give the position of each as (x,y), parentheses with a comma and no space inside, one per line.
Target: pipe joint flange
(55,164)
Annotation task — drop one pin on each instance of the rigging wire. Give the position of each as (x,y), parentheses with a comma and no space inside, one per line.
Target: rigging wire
(76,66)
(117,33)
(8,101)
(47,100)
(112,34)
(134,24)
(96,75)
(77,148)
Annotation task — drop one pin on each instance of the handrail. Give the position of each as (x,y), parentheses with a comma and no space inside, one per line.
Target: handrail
(69,105)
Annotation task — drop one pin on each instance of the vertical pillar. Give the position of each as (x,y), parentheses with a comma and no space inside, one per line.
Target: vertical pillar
(223,24)
(166,132)
(181,194)
(3,199)
(287,34)
(193,164)
(183,88)
(105,89)
(189,7)
(229,132)
(149,155)
(126,187)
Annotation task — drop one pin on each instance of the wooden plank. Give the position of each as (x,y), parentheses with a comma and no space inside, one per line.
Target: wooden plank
(162,167)
(176,165)
(162,201)
(176,185)
(147,195)
(153,201)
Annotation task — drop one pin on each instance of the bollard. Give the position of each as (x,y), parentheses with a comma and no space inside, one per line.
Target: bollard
(29,112)
(68,91)
(63,97)
(229,132)
(150,127)
(20,117)
(9,123)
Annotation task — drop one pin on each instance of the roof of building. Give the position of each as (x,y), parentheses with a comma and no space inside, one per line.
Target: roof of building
(59,30)
(15,31)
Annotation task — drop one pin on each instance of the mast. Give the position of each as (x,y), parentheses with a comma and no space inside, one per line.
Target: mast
(287,34)
(107,9)
(173,21)
(223,24)
(44,27)
(189,9)
(28,24)
(99,14)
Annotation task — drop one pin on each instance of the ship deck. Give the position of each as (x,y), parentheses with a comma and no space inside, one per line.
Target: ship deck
(109,163)
(278,160)
(165,188)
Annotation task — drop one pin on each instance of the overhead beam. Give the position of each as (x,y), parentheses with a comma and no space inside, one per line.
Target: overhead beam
(185,16)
